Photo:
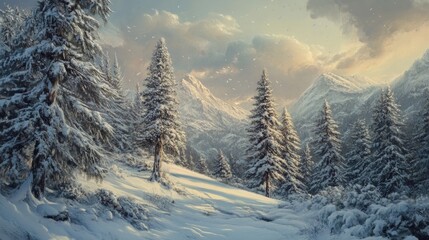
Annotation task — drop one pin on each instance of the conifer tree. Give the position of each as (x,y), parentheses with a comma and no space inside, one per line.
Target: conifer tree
(329,167)
(291,154)
(266,163)
(222,168)
(160,122)
(201,165)
(359,156)
(388,168)
(118,109)
(52,93)
(421,165)
(306,166)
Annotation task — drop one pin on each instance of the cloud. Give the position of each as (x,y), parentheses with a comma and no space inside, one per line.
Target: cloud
(291,64)
(213,47)
(375,22)
(209,48)
(191,44)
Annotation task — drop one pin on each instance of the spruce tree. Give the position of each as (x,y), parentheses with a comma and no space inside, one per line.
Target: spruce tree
(306,166)
(160,122)
(136,117)
(266,163)
(200,163)
(118,109)
(329,167)
(359,156)
(421,165)
(291,154)
(222,168)
(51,91)
(388,168)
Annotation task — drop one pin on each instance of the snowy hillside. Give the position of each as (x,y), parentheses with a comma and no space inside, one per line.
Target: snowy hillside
(346,95)
(210,123)
(194,207)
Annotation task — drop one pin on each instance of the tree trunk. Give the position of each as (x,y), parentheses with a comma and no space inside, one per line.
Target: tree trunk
(156,172)
(39,175)
(267,185)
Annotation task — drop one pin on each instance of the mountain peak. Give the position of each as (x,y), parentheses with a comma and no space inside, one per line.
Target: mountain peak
(198,99)
(343,83)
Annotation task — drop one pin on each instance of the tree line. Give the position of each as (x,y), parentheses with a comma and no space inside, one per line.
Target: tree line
(380,155)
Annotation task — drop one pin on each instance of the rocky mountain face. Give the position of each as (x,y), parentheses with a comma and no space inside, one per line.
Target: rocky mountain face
(211,124)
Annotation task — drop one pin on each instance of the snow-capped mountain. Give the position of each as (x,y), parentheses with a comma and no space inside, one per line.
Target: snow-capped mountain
(410,87)
(353,98)
(346,95)
(210,123)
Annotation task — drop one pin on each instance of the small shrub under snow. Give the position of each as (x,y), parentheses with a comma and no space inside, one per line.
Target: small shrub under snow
(362,212)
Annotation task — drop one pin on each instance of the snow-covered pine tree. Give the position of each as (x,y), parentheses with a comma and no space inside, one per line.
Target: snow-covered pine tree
(291,154)
(328,169)
(117,78)
(136,116)
(222,169)
(389,165)
(52,92)
(359,156)
(160,121)
(118,109)
(200,164)
(12,22)
(421,163)
(306,166)
(266,163)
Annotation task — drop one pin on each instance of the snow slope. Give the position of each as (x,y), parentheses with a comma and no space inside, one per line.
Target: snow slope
(210,123)
(196,207)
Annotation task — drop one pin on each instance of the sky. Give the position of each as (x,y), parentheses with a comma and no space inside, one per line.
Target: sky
(227,43)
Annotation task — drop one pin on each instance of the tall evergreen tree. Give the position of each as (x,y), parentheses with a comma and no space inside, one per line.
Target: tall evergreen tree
(52,93)
(222,168)
(160,121)
(330,163)
(388,168)
(359,156)
(136,116)
(306,166)
(118,109)
(266,163)
(291,154)
(421,165)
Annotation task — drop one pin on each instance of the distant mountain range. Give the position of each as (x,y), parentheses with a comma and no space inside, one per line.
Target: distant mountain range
(212,124)
(353,98)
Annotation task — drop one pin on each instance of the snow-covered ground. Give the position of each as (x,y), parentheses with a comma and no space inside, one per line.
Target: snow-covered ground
(193,207)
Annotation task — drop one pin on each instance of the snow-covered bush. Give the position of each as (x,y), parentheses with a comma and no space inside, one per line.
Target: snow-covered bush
(161,202)
(331,195)
(135,213)
(341,220)
(361,197)
(398,220)
(72,191)
(362,212)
